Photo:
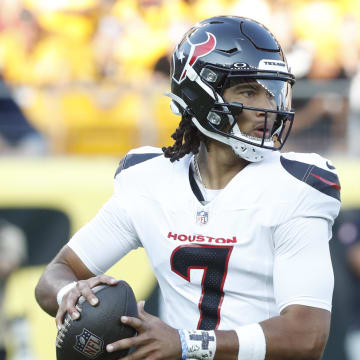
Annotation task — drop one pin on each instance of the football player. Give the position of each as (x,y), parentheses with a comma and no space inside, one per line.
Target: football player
(236,231)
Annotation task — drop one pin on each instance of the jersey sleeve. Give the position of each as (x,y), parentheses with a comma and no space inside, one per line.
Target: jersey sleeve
(314,185)
(303,272)
(137,156)
(111,234)
(107,237)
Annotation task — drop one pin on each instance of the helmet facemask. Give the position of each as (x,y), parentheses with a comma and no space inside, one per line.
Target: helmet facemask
(224,120)
(269,128)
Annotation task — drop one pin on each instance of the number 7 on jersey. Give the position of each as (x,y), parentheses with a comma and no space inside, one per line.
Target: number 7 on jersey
(214,261)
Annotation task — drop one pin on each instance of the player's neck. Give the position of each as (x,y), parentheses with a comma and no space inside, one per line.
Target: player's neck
(218,165)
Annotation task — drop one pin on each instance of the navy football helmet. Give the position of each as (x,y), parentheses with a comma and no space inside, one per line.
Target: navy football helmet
(214,55)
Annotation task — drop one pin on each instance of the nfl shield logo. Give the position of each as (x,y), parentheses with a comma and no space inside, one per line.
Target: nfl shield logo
(202,217)
(89,344)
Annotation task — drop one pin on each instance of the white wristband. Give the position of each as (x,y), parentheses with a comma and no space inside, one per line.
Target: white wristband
(252,343)
(197,344)
(64,290)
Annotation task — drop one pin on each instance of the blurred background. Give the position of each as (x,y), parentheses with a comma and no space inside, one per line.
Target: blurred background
(82,82)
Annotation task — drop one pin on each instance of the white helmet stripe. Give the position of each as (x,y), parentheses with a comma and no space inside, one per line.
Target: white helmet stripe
(211,134)
(177,99)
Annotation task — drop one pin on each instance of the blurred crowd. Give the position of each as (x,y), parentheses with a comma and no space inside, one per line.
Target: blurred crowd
(87,76)
(13,254)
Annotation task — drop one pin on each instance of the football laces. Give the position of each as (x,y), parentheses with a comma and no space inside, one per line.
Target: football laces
(62,332)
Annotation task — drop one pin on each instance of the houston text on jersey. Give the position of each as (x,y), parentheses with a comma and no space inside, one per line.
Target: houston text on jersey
(201,238)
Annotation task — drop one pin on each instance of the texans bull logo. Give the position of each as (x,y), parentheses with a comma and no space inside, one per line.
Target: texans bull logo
(188,54)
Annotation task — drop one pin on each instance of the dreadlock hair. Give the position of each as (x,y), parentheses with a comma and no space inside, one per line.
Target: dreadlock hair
(187,139)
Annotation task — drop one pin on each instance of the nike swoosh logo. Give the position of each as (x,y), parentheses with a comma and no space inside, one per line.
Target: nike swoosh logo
(327,182)
(331,167)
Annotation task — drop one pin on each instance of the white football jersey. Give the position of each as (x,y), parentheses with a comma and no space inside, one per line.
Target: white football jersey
(260,245)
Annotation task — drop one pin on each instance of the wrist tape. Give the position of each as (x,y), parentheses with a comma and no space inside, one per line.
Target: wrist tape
(64,290)
(252,343)
(197,344)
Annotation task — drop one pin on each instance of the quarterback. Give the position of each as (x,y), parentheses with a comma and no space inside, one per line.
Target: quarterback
(236,231)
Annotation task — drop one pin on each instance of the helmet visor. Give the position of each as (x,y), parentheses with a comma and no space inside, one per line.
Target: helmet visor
(279,91)
(254,91)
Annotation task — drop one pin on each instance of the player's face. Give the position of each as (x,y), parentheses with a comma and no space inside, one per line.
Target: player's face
(252,94)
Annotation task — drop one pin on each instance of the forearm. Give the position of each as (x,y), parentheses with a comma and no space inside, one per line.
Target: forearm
(227,345)
(285,341)
(53,279)
(64,269)
(300,334)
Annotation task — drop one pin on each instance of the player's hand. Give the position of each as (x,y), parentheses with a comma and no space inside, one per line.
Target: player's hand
(82,288)
(155,340)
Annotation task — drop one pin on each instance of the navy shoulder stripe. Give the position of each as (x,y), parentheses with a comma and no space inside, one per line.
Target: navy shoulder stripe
(320,179)
(132,159)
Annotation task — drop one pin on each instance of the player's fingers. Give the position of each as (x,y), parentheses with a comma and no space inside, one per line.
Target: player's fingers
(60,315)
(86,291)
(105,279)
(124,344)
(140,306)
(143,315)
(102,279)
(59,318)
(135,323)
(86,287)
(69,303)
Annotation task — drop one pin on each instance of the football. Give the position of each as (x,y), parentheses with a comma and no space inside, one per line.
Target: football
(98,326)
